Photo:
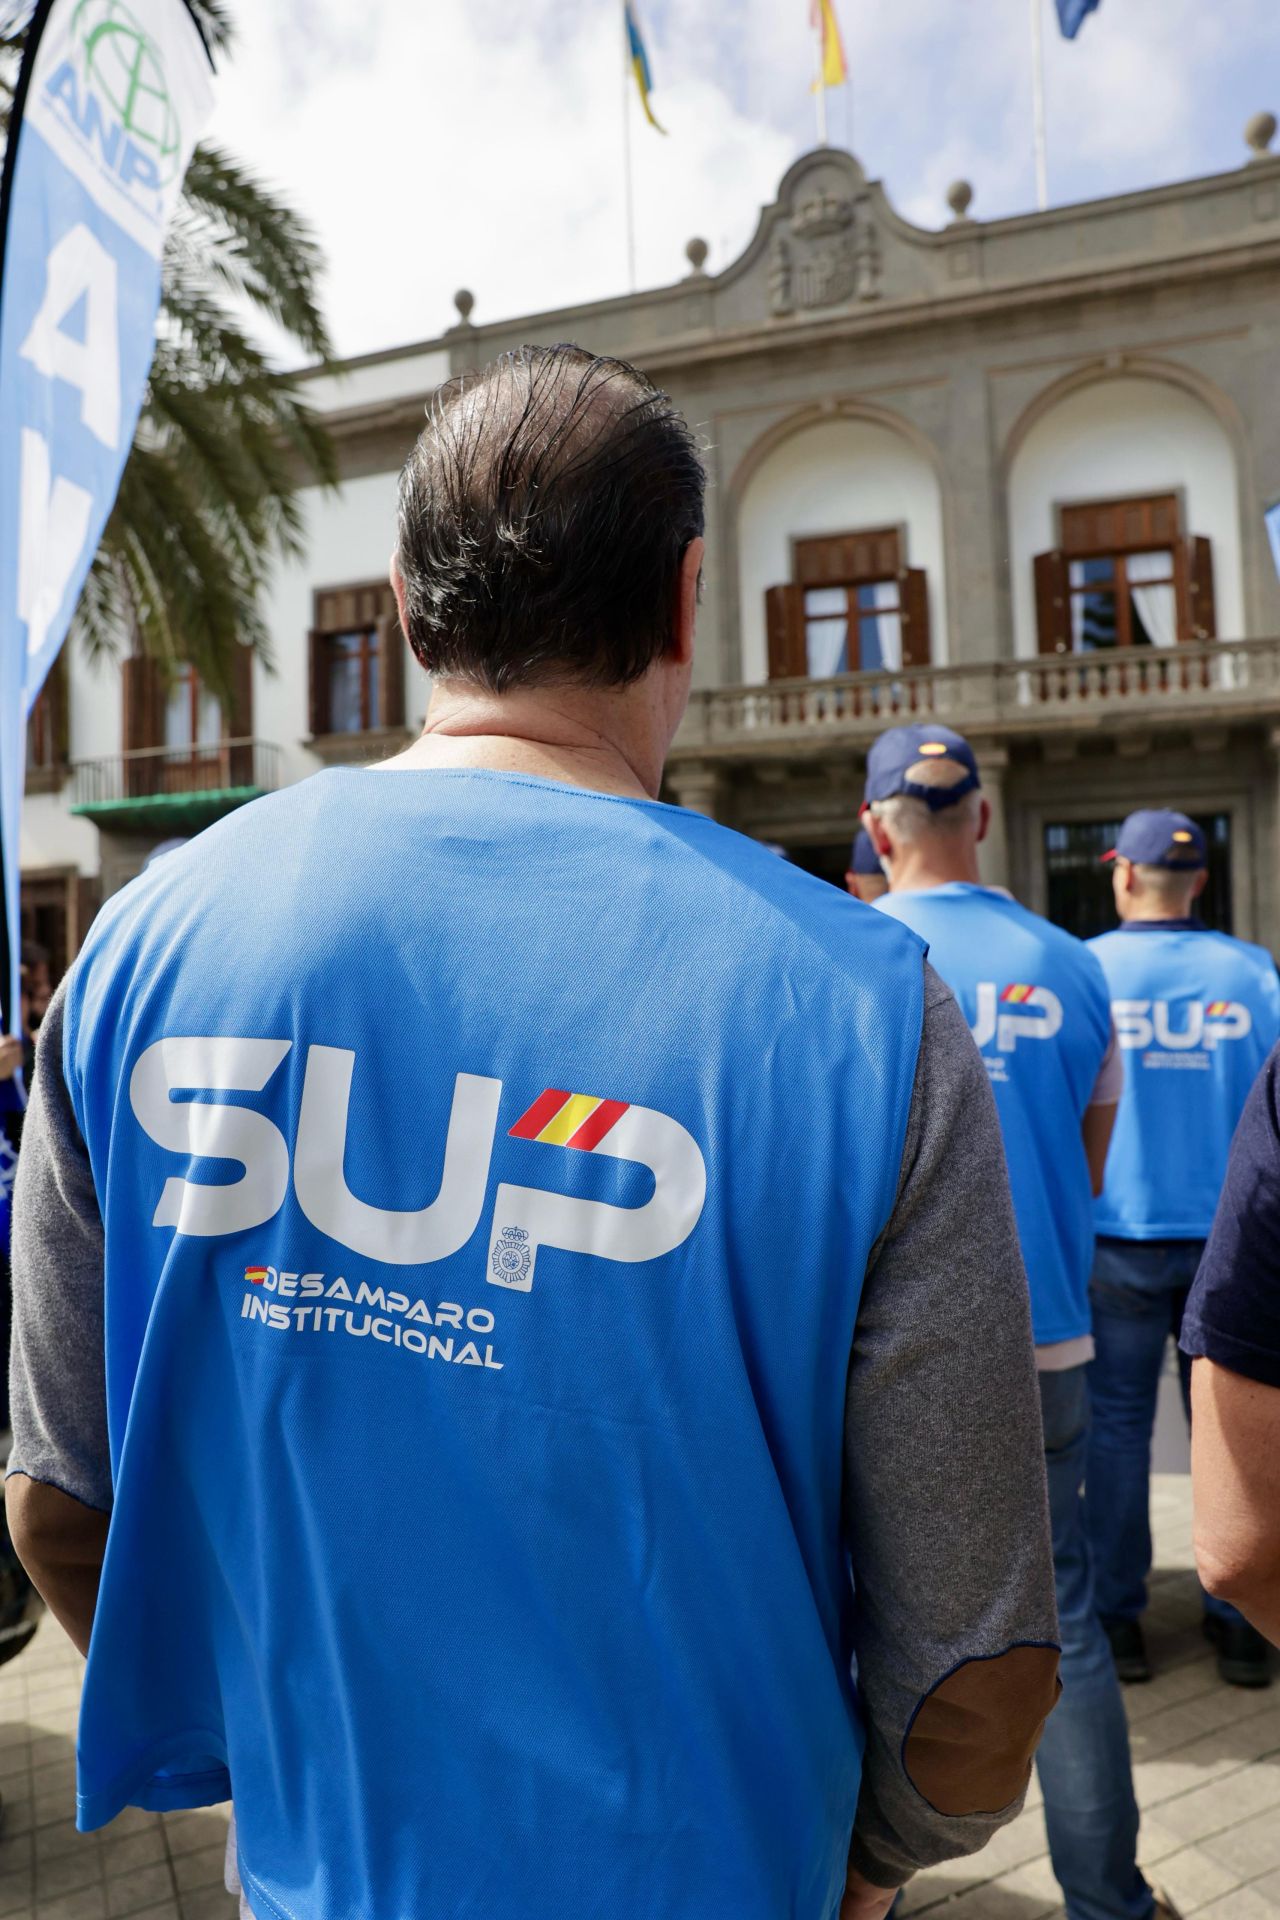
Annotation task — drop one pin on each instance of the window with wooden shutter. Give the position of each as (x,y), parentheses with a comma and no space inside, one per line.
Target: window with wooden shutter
(1132,578)
(851,607)
(48,731)
(356,662)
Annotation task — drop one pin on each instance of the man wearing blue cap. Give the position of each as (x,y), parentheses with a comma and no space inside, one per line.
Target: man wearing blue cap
(1037,1004)
(1197,1013)
(865,878)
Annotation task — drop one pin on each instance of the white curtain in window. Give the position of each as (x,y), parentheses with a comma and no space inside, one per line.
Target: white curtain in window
(1156,605)
(826,631)
(888,626)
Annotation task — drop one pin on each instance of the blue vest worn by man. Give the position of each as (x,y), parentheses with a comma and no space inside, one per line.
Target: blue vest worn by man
(1036,1003)
(489,1172)
(1197,1013)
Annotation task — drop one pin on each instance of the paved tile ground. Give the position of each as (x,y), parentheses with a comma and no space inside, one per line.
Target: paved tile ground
(1207,1761)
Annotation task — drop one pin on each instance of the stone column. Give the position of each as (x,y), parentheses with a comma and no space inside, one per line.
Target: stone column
(993,854)
(698,785)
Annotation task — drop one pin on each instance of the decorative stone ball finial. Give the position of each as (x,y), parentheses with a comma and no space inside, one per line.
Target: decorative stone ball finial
(696,254)
(960,198)
(464,300)
(1259,132)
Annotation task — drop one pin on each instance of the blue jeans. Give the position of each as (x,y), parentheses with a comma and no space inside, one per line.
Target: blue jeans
(1085,1772)
(1138,1292)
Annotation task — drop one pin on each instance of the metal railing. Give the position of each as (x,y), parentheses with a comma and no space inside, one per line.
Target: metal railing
(149,773)
(1007,696)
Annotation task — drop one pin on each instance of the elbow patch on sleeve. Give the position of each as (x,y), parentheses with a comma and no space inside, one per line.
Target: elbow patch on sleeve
(971,1741)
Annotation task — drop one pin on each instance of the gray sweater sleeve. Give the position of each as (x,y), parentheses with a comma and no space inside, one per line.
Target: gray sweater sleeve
(57,1371)
(945,1495)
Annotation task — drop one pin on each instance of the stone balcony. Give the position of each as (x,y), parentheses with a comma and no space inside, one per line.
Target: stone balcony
(1212,684)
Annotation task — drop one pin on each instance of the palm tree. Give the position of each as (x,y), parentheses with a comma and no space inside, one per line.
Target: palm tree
(209,497)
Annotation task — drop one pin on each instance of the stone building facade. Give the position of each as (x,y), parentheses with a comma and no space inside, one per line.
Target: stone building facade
(1010,474)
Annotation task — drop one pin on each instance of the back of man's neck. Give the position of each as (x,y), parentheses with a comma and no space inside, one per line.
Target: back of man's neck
(921,876)
(1151,916)
(593,742)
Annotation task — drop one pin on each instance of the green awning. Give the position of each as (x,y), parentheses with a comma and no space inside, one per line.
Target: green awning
(166,815)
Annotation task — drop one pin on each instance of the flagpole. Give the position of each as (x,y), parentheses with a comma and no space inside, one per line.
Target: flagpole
(1037,85)
(626,153)
(820,86)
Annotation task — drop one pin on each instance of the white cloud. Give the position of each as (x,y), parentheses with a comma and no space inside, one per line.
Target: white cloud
(477,142)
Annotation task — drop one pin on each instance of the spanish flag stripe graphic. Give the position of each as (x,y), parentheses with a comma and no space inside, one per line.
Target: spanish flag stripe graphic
(578,1108)
(1216,1009)
(558,1119)
(594,1128)
(545,1108)
(256,1274)
(1017,993)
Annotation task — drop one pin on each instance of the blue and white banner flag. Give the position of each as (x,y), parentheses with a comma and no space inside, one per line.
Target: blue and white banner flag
(111,99)
(1272,518)
(1072,15)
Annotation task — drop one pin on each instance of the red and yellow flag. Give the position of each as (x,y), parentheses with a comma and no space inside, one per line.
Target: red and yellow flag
(822,18)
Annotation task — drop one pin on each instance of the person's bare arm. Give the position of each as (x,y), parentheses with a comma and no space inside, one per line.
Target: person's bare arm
(1098,1126)
(61,1543)
(1235,1478)
(58,1493)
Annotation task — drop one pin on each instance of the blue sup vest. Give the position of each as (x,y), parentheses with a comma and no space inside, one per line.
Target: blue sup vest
(1036,1003)
(489,1172)
(1197,1014)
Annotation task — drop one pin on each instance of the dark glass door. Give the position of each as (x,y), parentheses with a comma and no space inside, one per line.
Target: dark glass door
(1079,885)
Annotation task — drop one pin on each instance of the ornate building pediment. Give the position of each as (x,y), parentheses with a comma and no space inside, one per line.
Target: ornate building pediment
(825,250)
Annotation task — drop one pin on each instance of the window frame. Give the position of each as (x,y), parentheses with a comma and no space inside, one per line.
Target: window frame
(367,608)
(1155,525)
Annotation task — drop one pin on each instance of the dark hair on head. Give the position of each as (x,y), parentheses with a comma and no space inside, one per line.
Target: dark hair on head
(544,514)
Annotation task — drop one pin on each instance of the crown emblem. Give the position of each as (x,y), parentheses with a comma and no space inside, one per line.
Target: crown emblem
(823,213)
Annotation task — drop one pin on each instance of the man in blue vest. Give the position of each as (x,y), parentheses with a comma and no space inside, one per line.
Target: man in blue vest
(1036,1003)
(517,1335)
(1197,1014)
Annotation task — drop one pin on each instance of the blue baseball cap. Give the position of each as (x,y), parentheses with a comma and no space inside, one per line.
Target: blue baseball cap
(1159,837)
(864,859)
(901,753)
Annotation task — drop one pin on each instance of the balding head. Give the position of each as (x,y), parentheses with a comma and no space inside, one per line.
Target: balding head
(544,514)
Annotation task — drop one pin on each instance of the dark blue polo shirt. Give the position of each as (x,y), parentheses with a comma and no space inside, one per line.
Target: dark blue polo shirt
(1233,1313)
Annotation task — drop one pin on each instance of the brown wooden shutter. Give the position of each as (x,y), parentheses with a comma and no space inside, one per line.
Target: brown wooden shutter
(239,717)
(784,624)
(913,596)
(58,686)
(1201,620)
(390,673)
(240,711)
(143,690)
(1053,614)
(317,685)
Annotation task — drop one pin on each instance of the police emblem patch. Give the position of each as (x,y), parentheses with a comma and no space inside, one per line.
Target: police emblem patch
(511,1258)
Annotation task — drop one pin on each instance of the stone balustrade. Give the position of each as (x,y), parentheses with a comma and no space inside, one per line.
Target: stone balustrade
(1220,679)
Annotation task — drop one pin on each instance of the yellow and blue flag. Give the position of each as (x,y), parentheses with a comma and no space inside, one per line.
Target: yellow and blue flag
(822,18)
(640,64)
(1071,15)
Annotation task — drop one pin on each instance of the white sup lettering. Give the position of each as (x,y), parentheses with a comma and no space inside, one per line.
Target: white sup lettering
(400,1238)
(653,1140)
(201,1130)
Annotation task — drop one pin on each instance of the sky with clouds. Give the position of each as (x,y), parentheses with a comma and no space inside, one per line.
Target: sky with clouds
(444,143)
